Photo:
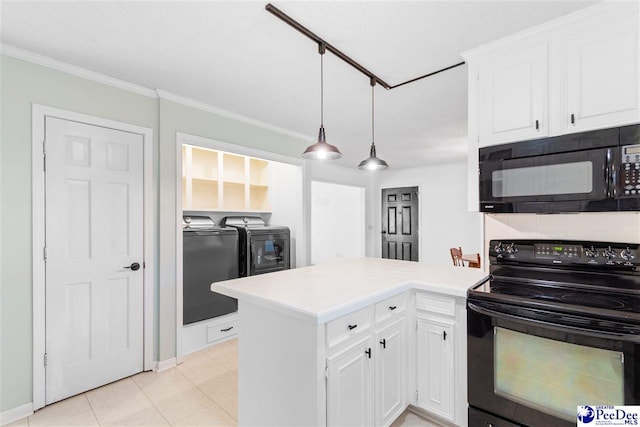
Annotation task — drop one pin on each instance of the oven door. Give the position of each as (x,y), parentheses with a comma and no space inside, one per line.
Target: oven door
(573,181)
(269,252)
(534,368)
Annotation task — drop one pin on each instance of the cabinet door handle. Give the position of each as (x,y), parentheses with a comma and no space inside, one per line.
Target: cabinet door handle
(384,343)
(393,307)
(226,329)
(368,352)
(444,335)
(573,119)
(352,327)
(537,125)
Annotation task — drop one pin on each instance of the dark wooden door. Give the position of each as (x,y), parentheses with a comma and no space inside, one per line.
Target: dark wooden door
(400,223)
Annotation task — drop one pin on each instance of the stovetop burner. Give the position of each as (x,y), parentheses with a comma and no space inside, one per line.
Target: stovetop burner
(598,301)
(563,295)
(519,291)
(559,276)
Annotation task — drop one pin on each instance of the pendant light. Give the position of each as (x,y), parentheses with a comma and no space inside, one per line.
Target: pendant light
(322,150)
(373,163)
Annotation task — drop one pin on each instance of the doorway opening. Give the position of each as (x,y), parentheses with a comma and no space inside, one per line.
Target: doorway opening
(219,179)
(337,222)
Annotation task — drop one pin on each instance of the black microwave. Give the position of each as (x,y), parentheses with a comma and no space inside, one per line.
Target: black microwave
(596,171)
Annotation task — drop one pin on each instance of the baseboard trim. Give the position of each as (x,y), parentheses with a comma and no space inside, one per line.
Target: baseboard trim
(429,416)
(166,364)
(15,414)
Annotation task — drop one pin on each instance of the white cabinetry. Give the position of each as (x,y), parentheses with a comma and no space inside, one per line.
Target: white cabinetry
(306,337)
(390,375)
(199,335)
(441,356)
(514,97)
(602,77)
(215,180)
(435,366)
(577,73)
(350,385)
(365,368)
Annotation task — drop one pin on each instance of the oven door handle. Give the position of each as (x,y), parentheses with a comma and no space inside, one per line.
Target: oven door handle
(552,325)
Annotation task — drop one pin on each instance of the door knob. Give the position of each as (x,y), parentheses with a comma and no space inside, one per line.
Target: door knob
(134,266)
(383,232)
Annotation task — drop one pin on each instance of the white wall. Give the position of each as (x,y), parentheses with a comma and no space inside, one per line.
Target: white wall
(598,226)
(337,222)
(286,206)
(444,219)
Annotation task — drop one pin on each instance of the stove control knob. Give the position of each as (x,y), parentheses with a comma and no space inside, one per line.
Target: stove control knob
(627,254)
(499,248)
(591,252)
(609,253)
(512,248)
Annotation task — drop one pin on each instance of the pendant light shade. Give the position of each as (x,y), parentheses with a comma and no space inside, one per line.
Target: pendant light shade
(321,150)
(373,163)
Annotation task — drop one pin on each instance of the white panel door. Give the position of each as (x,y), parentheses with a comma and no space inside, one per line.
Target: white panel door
(341,209)
(349,386)
(436,377)
(513,97)
(390,373)
(603,80)
(94,231)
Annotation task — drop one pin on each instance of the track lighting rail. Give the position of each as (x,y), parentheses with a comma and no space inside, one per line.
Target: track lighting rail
(337,52)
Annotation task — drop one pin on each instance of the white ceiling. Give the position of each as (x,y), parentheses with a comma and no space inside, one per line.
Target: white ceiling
(238,57)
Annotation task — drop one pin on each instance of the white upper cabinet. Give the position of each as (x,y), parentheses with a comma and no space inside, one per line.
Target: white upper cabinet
(513,95)
(602,77)
(576,73)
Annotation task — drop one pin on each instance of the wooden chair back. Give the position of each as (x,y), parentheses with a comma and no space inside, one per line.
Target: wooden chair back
(456,257)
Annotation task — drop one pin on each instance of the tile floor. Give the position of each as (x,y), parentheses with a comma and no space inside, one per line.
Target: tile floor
(202,391)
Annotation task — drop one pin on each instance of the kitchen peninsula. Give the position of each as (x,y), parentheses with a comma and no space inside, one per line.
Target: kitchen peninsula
(352,343)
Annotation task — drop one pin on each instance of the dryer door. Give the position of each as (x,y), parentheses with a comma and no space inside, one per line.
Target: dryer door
(269,252)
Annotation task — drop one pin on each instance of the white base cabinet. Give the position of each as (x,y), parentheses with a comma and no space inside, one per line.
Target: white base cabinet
(205,333)
(441,356)
(435,366)
(361,369)
(350,385)
(390,372)
(366,375)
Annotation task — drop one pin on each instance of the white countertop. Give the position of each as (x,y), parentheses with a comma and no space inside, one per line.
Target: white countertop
(325,292)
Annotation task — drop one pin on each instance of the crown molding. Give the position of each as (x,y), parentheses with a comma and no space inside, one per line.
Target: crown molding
(162,94)
(75,70)
(64,67)
(602,13)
